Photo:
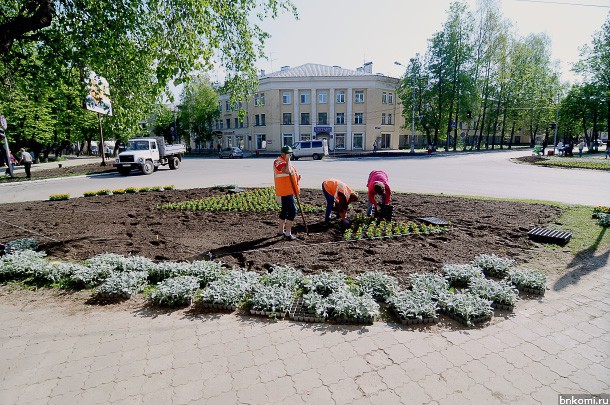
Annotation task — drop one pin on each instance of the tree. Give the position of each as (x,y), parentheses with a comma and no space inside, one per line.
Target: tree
(139,46)
(199,109)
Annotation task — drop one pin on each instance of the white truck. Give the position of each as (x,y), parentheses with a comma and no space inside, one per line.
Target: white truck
(147,154)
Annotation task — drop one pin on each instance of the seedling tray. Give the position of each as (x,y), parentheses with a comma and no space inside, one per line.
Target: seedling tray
(224,307)
(503,307)
(416,321)
(463,321)
(549,236)
(528,290)
(353,321)
(298,312)
(269,313)
(434,221)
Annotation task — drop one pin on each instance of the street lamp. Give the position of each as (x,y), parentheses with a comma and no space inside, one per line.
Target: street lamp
(412,60)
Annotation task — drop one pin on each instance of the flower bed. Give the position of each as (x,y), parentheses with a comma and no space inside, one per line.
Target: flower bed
(492,265)
(528,281)
(413,307)
(364,227)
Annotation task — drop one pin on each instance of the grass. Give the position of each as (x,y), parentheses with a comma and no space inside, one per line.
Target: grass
(575,164)
(586,234)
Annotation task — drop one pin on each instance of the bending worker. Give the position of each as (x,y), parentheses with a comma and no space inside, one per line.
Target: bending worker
(377,185)
(286,181)
(339,194)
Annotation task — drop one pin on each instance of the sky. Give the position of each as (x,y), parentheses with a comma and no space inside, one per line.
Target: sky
(348,32)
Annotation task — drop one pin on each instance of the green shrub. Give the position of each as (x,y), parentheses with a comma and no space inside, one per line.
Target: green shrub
(168,187)
(18,245)
(144,189)
(118,191)
(59,197)
(131,190)
(156,188)
(103,192)
(90,193)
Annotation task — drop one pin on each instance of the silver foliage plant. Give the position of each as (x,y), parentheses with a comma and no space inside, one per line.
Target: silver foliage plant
(493,265)
(527,278)
(466,305)
(174,291)
(284,276)
(344,303)
(414,305)
(461,274)
(18,245)
(326,283)
(430,284)
(500,292)
(379,285)
(22,264)
(122,284)
(271,298)
(231,289)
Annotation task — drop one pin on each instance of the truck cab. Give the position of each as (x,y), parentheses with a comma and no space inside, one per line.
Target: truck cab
(147,154)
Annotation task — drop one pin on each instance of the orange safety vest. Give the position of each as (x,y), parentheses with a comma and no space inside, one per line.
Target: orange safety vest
(283,185)
(334,187)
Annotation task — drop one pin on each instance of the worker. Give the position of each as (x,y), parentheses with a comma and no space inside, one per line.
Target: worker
(337,194)
(286,180)
(377,185)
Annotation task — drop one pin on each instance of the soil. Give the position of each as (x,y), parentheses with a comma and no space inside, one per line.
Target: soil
(133,224)
(92,168)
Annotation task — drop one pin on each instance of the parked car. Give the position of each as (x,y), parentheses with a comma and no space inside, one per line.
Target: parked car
(231,153)
(317,149)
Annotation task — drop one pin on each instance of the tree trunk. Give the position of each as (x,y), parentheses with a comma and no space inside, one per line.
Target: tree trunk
(503,128)
(512,134)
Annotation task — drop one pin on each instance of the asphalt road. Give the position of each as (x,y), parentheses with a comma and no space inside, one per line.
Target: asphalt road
(478,174)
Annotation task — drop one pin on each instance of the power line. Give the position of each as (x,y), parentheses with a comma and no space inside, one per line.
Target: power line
(563,3)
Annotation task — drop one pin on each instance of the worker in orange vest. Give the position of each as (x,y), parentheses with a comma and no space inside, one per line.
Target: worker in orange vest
(338,194)
(286,181)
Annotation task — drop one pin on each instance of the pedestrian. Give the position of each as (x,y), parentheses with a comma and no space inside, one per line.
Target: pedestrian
(8,167)
(581,146)
(107,151)
(560,148)
(377,185)
(26,161)
(338,195)
(608,148)
(375,146)
(545,143)
(286,179)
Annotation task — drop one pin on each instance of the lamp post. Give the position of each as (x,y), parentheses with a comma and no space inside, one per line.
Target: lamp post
(412,60)
(556,125)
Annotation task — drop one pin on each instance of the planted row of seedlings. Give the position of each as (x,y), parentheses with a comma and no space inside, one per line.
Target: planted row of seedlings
(364,227)
(259,200)
(128,190)
(463,293)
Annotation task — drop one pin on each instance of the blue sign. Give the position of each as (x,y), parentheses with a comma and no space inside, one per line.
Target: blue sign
(323,129)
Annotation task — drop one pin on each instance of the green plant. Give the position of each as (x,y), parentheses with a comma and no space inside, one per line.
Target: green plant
(103,192)
(231,289)
(432,284)
(459,275)
(156,188)
(168,187)
(90,193)
(326,283)
(284,276)
(414,305)
(467,306)
(524,278)
(131,190)
(118,191)
(493,265)
(20,244)
(174,291)
(501,292)
(275,299)
(122,284)
(603,220)
(343,304)
(59,197)
(380,286)
(144,189)
(21,264)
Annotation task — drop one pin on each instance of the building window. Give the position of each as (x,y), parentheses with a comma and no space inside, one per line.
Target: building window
(384,98)
(357,141)
(359,118)
(340,96)
(322,118)
(287,118)
(385,141)
(339,141)
(306,137)
(219,106)
(359,96)
(262,99)
(227,106)
(263,120)
(228,123)
(322,97)
(304,118)
(286,97)
(304,97)
(257,120)
(261,141)
(389,119)
(287,140)
(382,118)
(236,122)
(340,118)
(390,98)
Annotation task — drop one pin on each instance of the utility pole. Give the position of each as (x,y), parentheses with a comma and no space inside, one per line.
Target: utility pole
(556,124)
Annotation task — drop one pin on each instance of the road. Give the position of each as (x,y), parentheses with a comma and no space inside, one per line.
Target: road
(490,174)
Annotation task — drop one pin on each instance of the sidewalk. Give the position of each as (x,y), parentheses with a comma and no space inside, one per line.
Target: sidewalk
(69,162)
(57,354)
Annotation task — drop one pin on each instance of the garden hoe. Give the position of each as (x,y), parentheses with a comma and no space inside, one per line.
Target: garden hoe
(294,190)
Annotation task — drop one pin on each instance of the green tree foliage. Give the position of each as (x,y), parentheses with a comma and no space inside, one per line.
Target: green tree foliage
(48,47)
(199,109)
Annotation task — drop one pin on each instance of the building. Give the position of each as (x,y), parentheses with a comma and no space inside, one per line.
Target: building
(350,108)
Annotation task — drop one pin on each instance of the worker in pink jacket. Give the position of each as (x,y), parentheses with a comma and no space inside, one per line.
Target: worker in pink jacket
(377,185)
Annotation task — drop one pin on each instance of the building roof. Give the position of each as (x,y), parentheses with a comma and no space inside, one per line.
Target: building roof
(314,70)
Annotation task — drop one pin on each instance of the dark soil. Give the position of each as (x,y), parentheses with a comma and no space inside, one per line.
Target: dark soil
(80,170)
(133,224)
(530,159)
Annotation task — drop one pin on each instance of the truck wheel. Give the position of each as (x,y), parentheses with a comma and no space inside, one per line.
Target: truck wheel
(174,163)
(231,156)
(294,158)
(316,156)
(124,171)
(148,167)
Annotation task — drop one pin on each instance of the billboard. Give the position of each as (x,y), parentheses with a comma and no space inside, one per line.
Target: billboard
(98,99)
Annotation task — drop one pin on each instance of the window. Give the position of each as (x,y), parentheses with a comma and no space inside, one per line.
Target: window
(358,118)
(389,119)
(340,118)
(262,99)
(357,141)
(304,118)
(227,106)
(287,140)
(257,120)
(340,96)
(286,97)
(261,141)
(228,123)
(359,96)
(305,137)
(256,100)
(339,141)
(219,106)
(322,97)
(382,118)
(322,119)
(304,97)
(241,124)
(384,98)
(316,144)
(390,98)
(385,141)
(218,124)
(263,120)
(236,122)
(287,118)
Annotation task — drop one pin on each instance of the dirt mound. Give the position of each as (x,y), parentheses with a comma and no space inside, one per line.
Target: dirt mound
(80,228)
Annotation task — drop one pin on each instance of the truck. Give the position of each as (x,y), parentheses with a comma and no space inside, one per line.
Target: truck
(147,154)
